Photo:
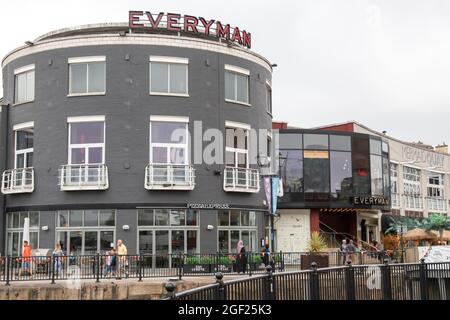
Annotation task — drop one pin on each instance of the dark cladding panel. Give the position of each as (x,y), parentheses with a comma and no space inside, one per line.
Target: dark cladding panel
(361,165)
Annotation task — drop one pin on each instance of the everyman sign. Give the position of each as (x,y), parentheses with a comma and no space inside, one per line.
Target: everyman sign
(197,25)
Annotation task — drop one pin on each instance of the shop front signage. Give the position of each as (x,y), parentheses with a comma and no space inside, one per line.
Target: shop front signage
(208,206)
(422,156)
(370,201)
(178,23)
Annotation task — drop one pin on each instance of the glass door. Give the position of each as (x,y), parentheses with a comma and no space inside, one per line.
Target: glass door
(90,242)
(162,248)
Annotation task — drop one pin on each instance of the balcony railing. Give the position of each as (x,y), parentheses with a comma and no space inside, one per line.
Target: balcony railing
(241,180)
(78,177)
(395,200)
(169,177)
(413,202)
(436,204)
(18,181)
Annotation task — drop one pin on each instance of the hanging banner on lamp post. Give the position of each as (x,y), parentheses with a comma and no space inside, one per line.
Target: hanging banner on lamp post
(275,187)
(268,191)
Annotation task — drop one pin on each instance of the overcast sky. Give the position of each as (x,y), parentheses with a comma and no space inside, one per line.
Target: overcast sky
(384,63)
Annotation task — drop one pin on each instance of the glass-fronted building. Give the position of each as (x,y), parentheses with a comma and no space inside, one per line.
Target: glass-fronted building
(336,183)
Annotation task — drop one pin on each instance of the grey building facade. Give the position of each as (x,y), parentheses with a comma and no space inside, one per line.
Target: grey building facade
(79,112)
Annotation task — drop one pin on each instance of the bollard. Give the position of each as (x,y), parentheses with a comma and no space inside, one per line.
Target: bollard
(221,288)
(52,261)
(141,262)
(8,261)
(97,271)
(423,273)
(350,281)
(314,282)
(270,286)
(170,288)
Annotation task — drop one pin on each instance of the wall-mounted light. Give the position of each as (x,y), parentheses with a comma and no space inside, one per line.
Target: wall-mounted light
(210,227)
(126,227)
(44,228)
(29,43)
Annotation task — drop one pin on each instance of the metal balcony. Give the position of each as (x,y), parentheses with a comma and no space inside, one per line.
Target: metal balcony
(18,181)
(414,203)
(395,200)
(80,177)
(241,180)
(169,177)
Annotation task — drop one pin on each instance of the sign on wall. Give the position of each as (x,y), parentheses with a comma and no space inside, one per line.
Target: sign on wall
(197,25)
(370,201)
(435,253)
(422,156)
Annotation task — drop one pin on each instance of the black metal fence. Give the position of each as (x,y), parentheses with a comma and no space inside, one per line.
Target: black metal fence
(419,281)
(100,267)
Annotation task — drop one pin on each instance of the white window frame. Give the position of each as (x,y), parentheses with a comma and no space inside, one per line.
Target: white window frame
(19,71)
(169,61)
(87,61)
(237,151)
(242,72)
(413,183)
(86,146)
(169,146)
(436,187)
(25,152)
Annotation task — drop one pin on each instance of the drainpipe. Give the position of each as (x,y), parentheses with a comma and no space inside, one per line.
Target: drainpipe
(4,136)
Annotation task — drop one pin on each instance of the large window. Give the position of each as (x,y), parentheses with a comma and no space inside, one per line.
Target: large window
(411,181)
(316,171)
(236,150)
(167,231)
(435,187)
(168,75)
(376,168)
(236,84)
(361,165)
(86,231)
(86,141)
(394,178)
(14,231)
(292,170)
(24,145)
(24,84)
(235,225)
(168,140)
(87,75)
(341,174)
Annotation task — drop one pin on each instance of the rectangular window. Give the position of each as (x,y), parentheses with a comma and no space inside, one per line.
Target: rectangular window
(411,181)
(361,165)
(292,170)
(236,149)
(394,177)
(316,171)
(237,84)
(87,75)
(290,141)
(24,147)
(376,175)
(341,174)
(24,84)
(316,141)
(435,187)
(87,142)
(340,143)
(168,141)
(168,75)
(269,97)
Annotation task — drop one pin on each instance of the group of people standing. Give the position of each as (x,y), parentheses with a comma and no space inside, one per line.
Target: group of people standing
(114,260)
(349,250)
(241,257)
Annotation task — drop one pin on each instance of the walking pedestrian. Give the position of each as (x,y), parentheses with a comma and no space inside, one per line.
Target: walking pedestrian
(26,259)
(122,261)
(351,250)
(343,251)
(241,258)
(57,254)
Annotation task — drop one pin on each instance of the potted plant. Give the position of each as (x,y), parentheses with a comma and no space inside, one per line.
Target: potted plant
(198,264)
(316,246)
(254,261)
(224,264)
